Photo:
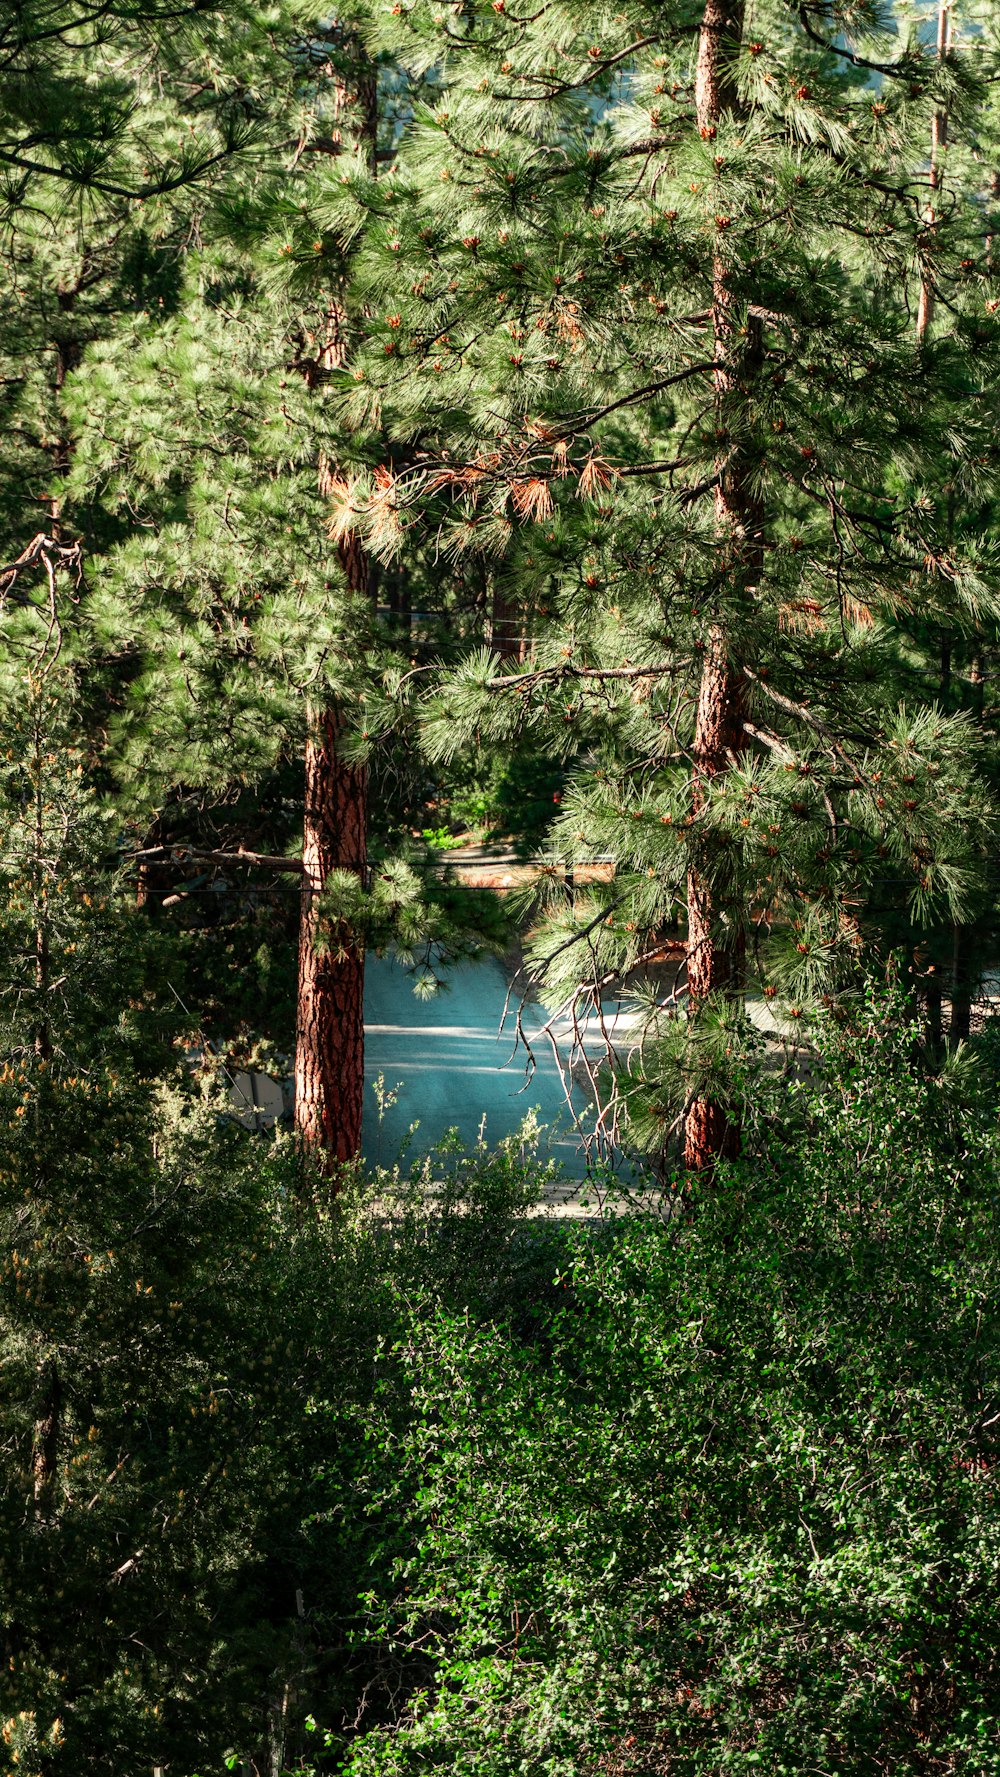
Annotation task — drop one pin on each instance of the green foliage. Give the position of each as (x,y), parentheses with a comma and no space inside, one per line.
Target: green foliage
(187,1340)
(589,316)
(511,795)
(151,1346)
(423,917)
(728,1502)
(708,1491)
(151,1284)
(82,984)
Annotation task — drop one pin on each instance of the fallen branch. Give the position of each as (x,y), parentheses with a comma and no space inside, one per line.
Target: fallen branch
(181,854)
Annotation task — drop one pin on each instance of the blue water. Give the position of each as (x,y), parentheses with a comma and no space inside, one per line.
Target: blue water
(450,1066)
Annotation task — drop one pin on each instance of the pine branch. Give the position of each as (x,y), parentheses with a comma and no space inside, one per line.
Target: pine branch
(802,713)
(595,69)
(135,193)
(666,382)
(901,70)
(69,26)
(49,551)
(539,675)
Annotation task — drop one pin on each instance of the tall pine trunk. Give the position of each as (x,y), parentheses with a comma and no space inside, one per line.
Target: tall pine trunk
(715,941)
(961,969)
(715,954)
(329,1038)
(329,1034)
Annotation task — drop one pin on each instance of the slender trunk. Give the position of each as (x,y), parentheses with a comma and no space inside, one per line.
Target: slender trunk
(42,1034)
(994,197)
(329,1040)
(715,951)
(935,1025)
(69,351)
(965,976)
(715,940)
(925,315)
(507,625)
(329,1037)
(45,1443)
(715,74)
(961,988)
(43,1043)
(927,960)
(330,1032)
(939,142)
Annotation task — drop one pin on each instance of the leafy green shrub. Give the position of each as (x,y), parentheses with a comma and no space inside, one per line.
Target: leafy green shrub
(728,1501)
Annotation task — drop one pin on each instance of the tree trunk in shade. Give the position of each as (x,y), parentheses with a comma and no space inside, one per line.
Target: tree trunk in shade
(329,1029)
(330,1038)
(934,1008)
(967,940)
(715,954)
(960,1027)
(45,1442)
(507,624)
(939,142)
(715,944)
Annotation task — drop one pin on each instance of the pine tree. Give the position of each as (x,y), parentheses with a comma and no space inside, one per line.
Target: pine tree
(111,125)
(953,660)
(648,318)
(241,630)
(118,123)
(282,77)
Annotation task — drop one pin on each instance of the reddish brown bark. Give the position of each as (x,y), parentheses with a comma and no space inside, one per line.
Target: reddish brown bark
(329,1033)
(329,1040)
(715,941)
(714,951)
(329,1030)
(718,48)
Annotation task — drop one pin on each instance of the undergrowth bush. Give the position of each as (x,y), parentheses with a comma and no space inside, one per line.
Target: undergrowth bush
(422,1482)
(726,1498)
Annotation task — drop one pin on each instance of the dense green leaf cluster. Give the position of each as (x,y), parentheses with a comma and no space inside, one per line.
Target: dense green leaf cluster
(729,1500)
